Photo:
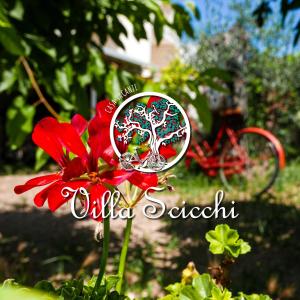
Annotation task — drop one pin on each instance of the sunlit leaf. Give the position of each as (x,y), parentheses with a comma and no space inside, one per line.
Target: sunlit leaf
(41,158)
(112,84)
(226,240)
(19,125)
(18,11)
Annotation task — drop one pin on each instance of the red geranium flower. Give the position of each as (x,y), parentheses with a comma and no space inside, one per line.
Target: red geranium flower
(94,170)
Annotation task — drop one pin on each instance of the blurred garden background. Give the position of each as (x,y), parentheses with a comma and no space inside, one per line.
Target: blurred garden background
(61,58)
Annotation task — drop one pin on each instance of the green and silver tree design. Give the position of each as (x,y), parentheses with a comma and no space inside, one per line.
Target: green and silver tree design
(158,123)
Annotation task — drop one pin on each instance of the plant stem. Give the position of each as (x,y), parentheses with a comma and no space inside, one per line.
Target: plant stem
(37,89)
(104,256)
(123,255)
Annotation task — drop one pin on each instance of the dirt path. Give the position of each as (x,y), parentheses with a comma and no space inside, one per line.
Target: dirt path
(143,227)
(27,231)
(37,244)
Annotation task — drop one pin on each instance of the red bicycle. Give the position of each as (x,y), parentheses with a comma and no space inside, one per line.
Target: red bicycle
(247,159)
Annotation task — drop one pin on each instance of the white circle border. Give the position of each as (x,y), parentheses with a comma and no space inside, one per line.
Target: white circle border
(145,94)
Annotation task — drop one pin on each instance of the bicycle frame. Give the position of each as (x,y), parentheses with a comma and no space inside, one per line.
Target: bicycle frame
(208,158)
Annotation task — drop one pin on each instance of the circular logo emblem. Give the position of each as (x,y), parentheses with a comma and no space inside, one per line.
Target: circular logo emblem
(150,132)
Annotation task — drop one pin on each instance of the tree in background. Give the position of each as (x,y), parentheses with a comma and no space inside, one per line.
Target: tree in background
(288,9)
(268,70)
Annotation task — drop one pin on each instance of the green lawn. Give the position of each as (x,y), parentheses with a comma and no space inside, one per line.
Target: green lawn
(194,186)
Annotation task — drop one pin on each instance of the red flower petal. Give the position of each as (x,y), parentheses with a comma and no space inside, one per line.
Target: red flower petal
(99,138)
(79,123)
(95,204)
(167,151)
(122,147)
(69,138)
(52,136)
(74,168)
(142,180)
(43,137)
(110,156)
(105,110)
(42,196)
(56,199)
(153,99)
(35,182)
(115,177)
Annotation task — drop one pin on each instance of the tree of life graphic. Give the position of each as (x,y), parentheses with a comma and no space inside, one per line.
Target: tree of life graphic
(153,125)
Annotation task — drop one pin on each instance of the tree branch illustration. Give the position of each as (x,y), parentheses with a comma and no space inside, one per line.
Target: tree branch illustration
(179,132)
(154,141)
(129,125)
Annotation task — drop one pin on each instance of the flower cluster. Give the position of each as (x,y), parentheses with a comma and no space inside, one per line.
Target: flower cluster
(91,164)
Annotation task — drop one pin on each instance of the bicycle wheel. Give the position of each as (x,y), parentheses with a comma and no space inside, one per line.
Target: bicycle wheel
(126,161)
(255,164)
(156,162)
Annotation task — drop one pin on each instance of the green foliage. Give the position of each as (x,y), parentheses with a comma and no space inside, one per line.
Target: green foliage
(224,240)
(70,290)
(183,82)
(19,121)
(193,286)
(78,290)
(270,81)
(287,7)
(63,44)
(243,296)
(203,287)
(41,158)
(10,290)
(9,37)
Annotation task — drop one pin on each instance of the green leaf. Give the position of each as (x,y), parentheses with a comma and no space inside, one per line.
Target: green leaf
(10,282)
(80,99)
(226,240)
(218,294)
(62,80)
(189,293)
(203,285)
(182,20)
(19,124)
(195,9)
(151,86)
(217,72)
(96,65)
(42,44)
(23,81)
(41,158)
(45,286)
(11,41)
(243,296)
(8,79)
(4,22)
(111,281)
(9,37)
(65,104)
(18,11)
(169,297)
(203,110)
(112,84)
(245,247)
(84,79)
(158,29)
(72,289)
(19,292)
(175,288)
(214,85)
